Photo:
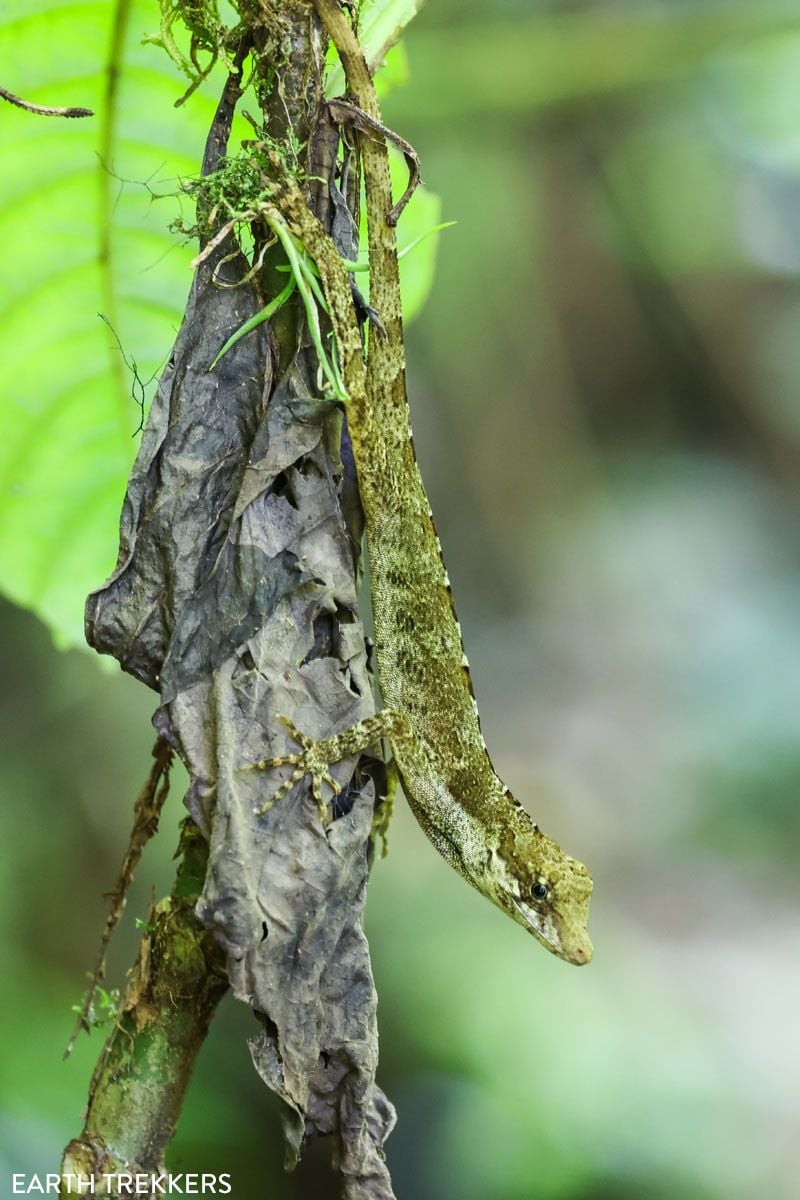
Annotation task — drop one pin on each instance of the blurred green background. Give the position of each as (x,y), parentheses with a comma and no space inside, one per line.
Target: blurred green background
(604,386)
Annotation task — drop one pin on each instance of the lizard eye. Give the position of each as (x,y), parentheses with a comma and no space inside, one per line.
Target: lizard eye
(540,891)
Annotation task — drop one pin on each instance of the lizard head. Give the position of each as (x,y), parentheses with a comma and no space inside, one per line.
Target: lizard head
(530,877)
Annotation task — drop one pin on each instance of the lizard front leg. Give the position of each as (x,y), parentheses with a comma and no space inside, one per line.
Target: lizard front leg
(315,757)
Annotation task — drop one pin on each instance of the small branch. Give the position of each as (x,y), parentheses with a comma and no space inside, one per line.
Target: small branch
(140,1080)
(43,110)
(146,813)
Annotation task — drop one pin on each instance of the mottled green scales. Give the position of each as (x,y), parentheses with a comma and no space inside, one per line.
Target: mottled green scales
(430,714)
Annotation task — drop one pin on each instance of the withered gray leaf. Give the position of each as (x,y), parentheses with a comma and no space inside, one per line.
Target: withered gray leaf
(187,474)
(228,608)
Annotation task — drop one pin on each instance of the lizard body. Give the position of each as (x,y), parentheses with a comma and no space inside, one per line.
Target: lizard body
(430,715)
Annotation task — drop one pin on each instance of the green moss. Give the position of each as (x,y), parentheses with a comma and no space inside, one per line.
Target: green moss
(207,36)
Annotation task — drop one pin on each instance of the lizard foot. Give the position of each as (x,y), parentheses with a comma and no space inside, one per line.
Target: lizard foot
(385,810)
(313,759)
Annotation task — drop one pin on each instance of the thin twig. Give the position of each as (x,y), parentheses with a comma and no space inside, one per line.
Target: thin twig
(146,813)
(44,110)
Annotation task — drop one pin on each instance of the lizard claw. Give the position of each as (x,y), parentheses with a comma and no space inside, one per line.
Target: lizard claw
(311,760)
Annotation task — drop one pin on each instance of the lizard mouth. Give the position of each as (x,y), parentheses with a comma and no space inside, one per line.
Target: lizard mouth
(578,952)
(529,920)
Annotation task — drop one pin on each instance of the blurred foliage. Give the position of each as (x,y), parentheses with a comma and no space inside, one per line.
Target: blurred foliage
(380,24)
(605,386)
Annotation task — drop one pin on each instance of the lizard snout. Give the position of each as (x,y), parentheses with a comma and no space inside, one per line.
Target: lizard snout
(581,954)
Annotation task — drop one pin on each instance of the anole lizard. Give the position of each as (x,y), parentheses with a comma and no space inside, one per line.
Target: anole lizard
(430,714)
